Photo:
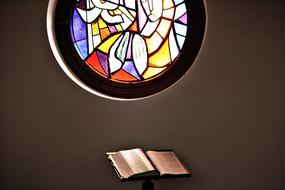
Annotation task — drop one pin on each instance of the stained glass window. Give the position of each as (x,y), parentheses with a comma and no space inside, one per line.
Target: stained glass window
(128,45)
(129,41)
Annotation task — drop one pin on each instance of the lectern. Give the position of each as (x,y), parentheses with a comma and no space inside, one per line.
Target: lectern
(139,165)
(147,185)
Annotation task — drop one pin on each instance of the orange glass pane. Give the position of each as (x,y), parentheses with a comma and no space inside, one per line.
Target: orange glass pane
(123,76)
(94,62)
(134,27)
(104,33)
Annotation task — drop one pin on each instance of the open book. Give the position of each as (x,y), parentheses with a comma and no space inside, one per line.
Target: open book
(137,164)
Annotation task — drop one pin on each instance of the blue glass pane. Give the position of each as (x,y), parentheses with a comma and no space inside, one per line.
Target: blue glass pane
(177,2)
(82,48)
(79,27)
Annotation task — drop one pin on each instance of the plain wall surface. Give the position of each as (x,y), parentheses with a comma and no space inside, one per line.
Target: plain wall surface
(225,118)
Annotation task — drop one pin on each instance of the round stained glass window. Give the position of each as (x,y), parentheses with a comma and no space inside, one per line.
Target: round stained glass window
(126,49)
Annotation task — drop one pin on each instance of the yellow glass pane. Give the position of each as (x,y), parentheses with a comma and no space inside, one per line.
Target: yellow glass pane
(153,42)
(164,27)
(117,12)
(133,13)
(105,46)
(162,57)
(111,13)
(119,27)
(151,71)
(101,23)
(95,28)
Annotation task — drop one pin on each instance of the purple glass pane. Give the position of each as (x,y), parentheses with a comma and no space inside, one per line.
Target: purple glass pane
(104,61)
(129,51)
(130,68)
(112,29)
(71,31)
(81,4)
(183,19)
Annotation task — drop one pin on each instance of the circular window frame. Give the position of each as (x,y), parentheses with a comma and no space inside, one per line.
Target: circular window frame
(58,18)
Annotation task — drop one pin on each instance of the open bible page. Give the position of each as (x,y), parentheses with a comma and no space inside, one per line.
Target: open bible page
(136,160)
(166,162)
(121,166)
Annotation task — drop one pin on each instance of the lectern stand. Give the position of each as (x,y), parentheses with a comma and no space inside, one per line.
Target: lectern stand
(147,185)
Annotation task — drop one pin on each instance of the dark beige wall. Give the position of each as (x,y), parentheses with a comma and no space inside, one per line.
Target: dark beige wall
(225,118)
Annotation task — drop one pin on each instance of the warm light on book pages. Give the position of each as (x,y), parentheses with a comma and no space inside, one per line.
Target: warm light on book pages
(135,164)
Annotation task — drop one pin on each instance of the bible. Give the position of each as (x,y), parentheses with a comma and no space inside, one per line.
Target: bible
(136,164)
